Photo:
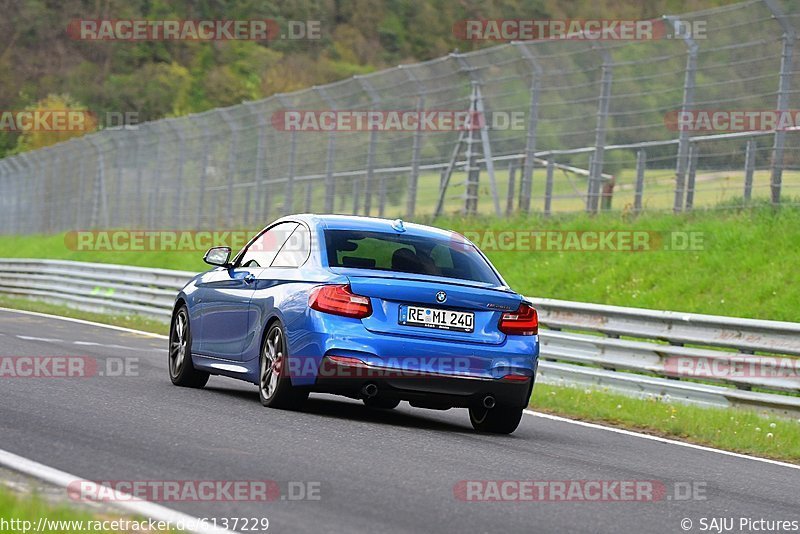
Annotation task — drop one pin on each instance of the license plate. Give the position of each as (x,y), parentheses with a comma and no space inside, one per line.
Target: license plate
(438,319)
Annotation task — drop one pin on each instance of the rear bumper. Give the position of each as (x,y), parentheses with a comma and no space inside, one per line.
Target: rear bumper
(422,389)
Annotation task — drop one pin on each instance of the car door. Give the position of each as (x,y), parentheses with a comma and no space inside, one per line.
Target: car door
(223,295)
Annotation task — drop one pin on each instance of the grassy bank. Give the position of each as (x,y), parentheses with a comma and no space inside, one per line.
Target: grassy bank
(30,513)
(733,430)
(745,265)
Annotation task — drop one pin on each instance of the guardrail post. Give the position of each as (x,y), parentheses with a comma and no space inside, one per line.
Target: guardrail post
(330,185)
(416,147)
(784,90)
(596,167)
(373,139)
(694,150)
(688,101)
(749,168)
(548,185)
(526,179)
(641,164)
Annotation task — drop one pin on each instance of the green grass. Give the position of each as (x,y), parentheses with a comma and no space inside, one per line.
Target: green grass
(747,267)
(734,430)
(31,508)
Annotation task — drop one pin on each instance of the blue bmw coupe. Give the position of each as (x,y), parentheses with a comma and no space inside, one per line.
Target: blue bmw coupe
(373,309)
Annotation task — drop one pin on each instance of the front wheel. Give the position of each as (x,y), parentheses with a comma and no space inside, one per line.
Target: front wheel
(275,386)
(497,420)
(181,368)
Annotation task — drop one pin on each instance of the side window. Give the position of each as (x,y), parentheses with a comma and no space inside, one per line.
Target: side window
(295,250)
(264,249)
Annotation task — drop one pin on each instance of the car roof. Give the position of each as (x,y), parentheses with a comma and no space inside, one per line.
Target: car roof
(373,224)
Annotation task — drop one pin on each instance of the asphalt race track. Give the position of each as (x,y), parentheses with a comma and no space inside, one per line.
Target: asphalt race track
(376,471)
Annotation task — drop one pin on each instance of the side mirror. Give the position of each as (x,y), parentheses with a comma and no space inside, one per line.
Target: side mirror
(218,256)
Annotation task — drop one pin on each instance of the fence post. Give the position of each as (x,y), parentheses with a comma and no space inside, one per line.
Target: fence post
(99,207)
(232,144)
(330,185)
(526,178)
(258,171)
(373,140)
(596,167)
(694,150)
(177,219)
(688,101)
(115,218)
(512,178)
(416,147)
(473,173)
(473,169)
(5,198)
(201,193)
(641,164)
(548,185)
(14,221)
(749,168)
(784,90)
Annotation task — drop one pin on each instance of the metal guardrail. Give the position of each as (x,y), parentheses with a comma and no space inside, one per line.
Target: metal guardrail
(629,350)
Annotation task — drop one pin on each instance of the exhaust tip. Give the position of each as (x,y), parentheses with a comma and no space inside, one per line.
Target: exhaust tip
(369,390)
(489,402)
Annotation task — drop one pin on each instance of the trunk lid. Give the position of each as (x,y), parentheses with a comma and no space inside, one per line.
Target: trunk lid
(389,291)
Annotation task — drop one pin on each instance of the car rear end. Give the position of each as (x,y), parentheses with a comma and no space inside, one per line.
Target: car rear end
(420,315)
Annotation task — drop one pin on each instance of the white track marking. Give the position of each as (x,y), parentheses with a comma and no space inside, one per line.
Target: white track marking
(90,323)
(121,500)
(528,412)
(659,439)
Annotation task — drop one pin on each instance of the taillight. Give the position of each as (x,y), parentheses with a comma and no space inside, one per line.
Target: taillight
(516,378)
(340,300)
(523,322)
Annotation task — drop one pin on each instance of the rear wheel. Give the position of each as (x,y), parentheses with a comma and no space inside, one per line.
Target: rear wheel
(381,403)
(497,420)
(275,386)
(181,368)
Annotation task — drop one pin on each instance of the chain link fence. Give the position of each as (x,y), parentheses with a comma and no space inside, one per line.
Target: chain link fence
(593,137)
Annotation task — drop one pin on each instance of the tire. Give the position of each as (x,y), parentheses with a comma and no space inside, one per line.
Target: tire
(382,403)
(274,384)
(179,357)
(498,420)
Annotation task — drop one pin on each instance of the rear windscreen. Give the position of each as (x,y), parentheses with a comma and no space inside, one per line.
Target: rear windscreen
(407,254)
